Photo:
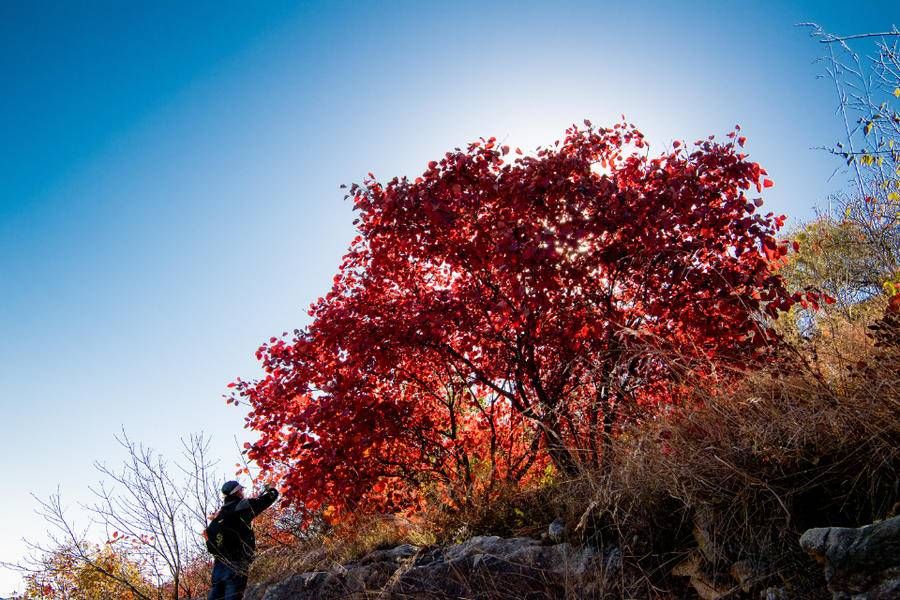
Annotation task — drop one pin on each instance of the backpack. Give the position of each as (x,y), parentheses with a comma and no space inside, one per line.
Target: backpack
(222,539)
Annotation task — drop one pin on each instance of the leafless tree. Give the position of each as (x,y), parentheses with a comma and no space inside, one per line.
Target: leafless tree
(67,549)
(864,70)
(153,509)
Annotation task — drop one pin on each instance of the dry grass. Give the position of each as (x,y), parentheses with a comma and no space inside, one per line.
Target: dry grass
(742,477)
(338,545)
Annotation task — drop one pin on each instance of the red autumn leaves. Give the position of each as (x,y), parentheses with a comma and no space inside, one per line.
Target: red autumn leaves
(493,318)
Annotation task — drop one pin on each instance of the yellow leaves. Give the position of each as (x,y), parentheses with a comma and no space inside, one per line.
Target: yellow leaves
(103,575)
(329,513)
(894,197)
(868,128)
(891,288)
(897,93)
(868,160)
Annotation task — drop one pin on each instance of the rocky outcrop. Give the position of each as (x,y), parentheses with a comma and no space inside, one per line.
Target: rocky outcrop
(481,567)
(861,563)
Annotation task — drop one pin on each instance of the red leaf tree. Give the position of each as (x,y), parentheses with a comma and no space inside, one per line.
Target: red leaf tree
(493,316)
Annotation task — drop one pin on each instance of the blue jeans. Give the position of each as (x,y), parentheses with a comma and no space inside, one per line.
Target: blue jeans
(226,583)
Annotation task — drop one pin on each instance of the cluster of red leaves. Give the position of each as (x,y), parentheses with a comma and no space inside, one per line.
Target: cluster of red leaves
(494,316)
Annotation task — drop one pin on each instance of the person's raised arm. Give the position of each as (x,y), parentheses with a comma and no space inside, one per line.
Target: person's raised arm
(263,501)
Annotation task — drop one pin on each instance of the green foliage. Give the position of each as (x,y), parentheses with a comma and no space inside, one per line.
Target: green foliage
(833,255)
(838,258)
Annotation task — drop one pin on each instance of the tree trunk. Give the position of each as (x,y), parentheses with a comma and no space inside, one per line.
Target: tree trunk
(609,420)
(556,448)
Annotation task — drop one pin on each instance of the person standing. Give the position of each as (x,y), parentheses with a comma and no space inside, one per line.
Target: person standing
(230,539)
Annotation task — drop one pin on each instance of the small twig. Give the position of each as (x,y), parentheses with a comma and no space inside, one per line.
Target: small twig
(828,39)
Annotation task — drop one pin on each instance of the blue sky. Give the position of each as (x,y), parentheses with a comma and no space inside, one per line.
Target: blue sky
(169,173)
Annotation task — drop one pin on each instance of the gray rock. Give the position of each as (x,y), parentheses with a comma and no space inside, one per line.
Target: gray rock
(487,565)
(481,567)
(773,593)
(860,563)
(557,530)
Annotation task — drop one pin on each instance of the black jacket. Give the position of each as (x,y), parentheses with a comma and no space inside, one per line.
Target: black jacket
(238,513)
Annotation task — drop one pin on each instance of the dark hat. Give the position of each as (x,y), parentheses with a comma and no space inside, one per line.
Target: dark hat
(231,487)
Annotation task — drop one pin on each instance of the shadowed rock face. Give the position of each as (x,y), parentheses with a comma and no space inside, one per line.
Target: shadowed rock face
(483,566)
(859,563)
